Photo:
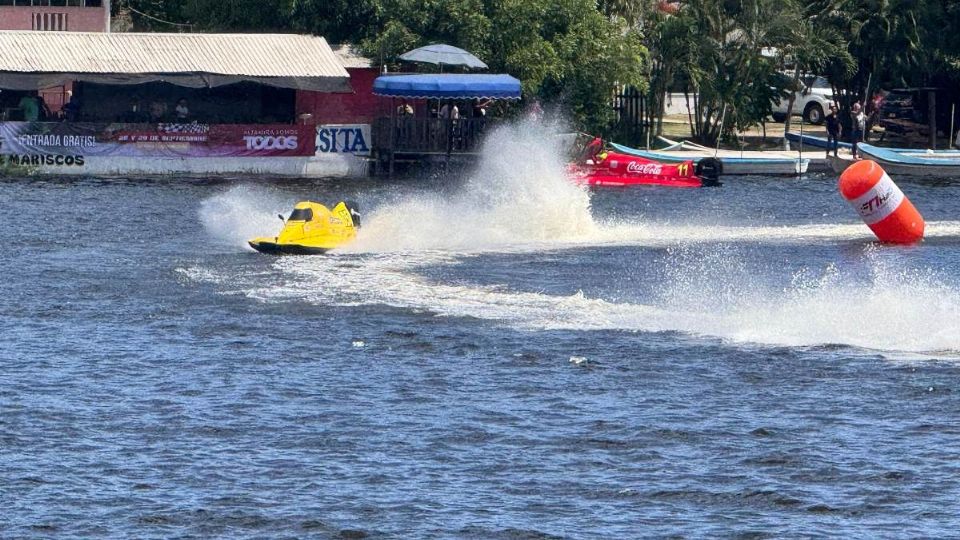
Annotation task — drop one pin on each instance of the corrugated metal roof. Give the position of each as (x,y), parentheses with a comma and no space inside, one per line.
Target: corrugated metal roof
(350,56)
(254,55)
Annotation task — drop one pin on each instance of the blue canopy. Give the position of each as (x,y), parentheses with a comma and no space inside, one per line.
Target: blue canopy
(448,85)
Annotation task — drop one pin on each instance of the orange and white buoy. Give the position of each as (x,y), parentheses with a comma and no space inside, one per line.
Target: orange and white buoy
(881,204)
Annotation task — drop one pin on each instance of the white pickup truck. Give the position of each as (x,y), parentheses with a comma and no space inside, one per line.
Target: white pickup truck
(812,101)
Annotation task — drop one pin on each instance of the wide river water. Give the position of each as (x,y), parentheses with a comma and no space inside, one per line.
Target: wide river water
(502,355)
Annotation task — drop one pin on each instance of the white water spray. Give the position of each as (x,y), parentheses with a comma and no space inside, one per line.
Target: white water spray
(243,212)
(889,310)
(519,194)
(520,200)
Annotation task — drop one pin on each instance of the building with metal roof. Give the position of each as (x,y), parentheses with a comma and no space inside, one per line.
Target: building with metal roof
(351,57)
(57,16)
(32,60)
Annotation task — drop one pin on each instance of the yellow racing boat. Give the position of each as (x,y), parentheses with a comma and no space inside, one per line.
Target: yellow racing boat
(311,229)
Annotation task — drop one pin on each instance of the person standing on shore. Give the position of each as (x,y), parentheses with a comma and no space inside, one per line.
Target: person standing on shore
(450,111)
(834,130)
(30,108)
(182,111)
(71,111)
(858,123)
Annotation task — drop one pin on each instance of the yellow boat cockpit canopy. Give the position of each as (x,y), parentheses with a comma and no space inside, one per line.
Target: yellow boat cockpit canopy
(301,214)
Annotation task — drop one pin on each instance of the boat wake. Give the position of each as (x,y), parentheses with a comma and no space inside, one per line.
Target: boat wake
(514,205)
(892,310)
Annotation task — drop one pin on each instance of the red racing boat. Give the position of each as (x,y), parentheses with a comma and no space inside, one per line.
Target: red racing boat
(599,167)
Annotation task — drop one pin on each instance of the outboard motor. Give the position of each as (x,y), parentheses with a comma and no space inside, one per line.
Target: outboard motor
(709,170)
(354,209)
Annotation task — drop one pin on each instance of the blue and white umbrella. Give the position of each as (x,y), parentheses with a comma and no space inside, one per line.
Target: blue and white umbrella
(441,54)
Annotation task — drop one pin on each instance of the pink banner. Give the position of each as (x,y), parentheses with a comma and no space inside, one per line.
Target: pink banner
(37,143)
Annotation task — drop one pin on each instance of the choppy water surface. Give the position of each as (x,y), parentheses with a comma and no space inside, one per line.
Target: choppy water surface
(499,356)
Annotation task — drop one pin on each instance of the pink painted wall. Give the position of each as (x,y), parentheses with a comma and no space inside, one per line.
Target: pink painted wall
(68,18)
(360,107)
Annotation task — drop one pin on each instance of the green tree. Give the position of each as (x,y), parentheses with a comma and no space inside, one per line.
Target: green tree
(886,41)
(713,49)
(239,15)
(406,24)
(732,82)
(672,41)
(150,16)
(207,15)
(886,44)
(338,21)
(390,43)
(597,57)
(564,51)
(812,48)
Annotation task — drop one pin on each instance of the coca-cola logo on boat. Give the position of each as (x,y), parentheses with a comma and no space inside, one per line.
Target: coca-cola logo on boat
(644,168)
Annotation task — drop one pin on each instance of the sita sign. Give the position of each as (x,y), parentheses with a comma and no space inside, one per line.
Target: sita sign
(349,139)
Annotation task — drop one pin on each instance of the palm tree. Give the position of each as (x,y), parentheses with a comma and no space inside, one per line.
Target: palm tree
(732,81)
(811,47)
